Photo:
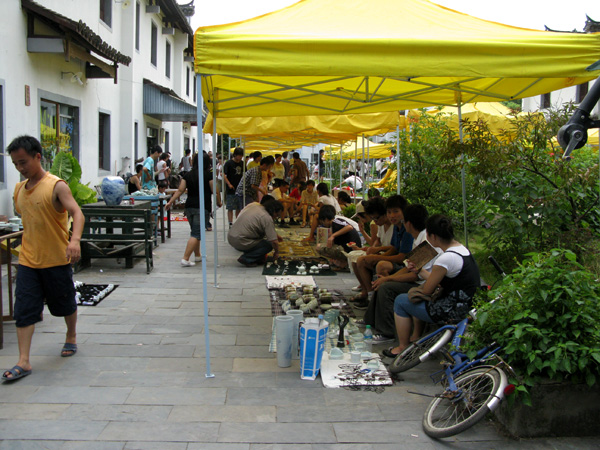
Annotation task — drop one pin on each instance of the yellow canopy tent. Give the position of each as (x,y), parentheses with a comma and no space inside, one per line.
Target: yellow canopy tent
(351,56)
(342,126)
(494,114)
(293,132)
(355,149)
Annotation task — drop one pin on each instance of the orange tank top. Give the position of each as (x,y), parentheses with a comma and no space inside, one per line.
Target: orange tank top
(45,230)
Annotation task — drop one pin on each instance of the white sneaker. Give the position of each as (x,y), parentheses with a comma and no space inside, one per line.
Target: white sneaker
(186,263)
(357,288)
(198,259)
(381,339)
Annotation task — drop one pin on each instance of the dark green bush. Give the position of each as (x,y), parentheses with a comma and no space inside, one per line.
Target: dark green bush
(547,320)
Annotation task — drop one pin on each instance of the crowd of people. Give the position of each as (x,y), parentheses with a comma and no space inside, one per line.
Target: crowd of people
(272,192)
(375,243)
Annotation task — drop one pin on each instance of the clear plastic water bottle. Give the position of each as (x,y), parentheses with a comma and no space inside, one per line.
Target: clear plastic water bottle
(368,340)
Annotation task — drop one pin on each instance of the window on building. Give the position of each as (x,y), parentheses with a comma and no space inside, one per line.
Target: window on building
(59,130)
(545,102)
(186,143)
(151,138)
(194,149)
(582,91)
(136,143)
(2,143)
(194,88)
(187,81)
(167,142)
(106,12)
(137,25)
(168,59)
(104,141)
(154,45)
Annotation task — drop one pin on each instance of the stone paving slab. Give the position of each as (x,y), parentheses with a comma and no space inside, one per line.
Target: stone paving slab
(164,395)
(295,433)
(139,379)
(224,413)
(160,431)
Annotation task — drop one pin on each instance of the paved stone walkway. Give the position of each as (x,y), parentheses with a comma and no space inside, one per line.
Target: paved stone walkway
(138,380)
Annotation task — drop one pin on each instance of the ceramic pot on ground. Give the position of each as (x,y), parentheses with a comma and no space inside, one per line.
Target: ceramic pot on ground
(113,190)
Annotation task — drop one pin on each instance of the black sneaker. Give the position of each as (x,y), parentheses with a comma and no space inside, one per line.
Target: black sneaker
(283,225)
(361,304)
(243,262)
(293,222)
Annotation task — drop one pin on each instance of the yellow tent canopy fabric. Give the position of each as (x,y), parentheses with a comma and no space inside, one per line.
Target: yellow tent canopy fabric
(293,132)
(351,56)
(494,114)
(354,148)
(339,125)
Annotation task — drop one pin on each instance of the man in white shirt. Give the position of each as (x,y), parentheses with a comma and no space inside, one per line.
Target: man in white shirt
(280,194)
(355,182)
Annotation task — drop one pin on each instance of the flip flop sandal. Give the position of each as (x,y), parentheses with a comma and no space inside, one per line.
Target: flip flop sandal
(16,372)
(68,350)
(388,353)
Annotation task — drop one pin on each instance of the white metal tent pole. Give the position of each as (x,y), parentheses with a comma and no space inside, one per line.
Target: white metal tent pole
(214,196)
(243,174)
(362,167)
(341,164)
(330,168)
(354,171)
(224,199)
(397,159)
(199,109)
(312,156)
(368,159)
(462,173)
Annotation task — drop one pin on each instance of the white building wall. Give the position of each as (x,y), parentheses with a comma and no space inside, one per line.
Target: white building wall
(123,101)
(557,99)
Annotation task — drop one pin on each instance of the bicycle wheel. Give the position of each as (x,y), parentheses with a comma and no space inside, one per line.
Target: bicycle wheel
(446,417)
(419,351)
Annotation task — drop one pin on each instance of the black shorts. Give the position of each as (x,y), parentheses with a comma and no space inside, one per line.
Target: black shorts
(34,286)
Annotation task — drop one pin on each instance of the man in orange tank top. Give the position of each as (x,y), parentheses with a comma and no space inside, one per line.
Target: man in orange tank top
(44,202)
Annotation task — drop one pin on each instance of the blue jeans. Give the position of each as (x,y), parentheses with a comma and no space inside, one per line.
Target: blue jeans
(405,308)
(193,217)
(257,253)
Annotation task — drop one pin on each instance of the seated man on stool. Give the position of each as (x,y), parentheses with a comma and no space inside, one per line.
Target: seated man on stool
(288,203)
(253,233)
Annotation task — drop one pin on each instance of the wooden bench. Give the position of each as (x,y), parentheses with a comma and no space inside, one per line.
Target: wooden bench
(111,232)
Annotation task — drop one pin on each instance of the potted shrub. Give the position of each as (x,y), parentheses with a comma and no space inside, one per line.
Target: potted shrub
(548,323)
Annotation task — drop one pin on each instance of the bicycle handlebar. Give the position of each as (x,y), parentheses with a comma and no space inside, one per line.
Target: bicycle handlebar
(496,265)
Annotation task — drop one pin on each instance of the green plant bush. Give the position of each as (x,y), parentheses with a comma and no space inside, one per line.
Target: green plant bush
(349,210)
(65,166)
(547,320)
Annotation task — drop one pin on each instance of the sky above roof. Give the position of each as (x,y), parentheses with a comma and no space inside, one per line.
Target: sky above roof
(564,16)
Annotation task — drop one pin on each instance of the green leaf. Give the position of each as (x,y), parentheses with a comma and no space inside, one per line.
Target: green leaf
(570,256)
(590,379)
(62,166)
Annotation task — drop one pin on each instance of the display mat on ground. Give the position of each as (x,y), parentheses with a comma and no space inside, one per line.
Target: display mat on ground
(92,294)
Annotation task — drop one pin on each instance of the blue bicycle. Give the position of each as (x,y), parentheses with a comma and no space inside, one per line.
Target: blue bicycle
(473,387)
